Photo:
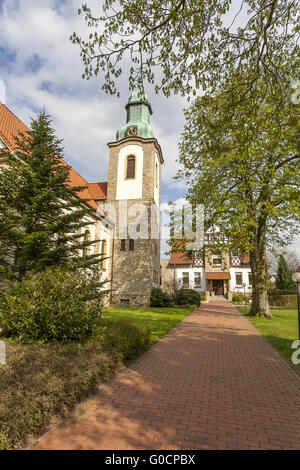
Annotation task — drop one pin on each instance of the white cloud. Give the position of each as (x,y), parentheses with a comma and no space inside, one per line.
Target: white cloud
(82,114)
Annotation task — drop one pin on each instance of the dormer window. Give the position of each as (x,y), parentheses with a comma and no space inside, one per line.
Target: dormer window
(130,167)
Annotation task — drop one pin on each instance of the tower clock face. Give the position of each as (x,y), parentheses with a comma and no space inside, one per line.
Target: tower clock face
(131,131)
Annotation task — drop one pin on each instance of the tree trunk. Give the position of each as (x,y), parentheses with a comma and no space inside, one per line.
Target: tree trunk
(260,304)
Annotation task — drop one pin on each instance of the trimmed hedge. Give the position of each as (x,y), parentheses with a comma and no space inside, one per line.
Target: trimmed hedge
(281,292)
(283,301)
(159,298)
(239,299)
(188,297)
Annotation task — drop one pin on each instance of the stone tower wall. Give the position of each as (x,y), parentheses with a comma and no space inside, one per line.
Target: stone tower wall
(136,272)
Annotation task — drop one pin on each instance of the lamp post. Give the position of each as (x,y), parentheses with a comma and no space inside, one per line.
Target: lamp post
(296,279)
(244,286)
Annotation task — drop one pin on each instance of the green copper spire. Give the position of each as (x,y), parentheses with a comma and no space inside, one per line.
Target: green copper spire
(138,118)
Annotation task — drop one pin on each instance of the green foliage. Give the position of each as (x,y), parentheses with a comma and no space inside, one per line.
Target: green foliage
(41,215)
(159,298)
(189,44)
(53,306)
(284,276)
(237,298)
(188,297)
(283,301)
(126,337)
(203,297)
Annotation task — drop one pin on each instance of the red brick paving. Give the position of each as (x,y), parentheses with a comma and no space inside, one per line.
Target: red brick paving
(212,383)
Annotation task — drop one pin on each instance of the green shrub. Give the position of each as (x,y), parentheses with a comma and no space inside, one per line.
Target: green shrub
(53,306)
(237,298)
(159,298)
(202,298)
(283,301)
(188,297)
(125,337)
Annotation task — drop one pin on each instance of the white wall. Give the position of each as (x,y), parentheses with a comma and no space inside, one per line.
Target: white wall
(100,231)
(191,271)
(131,188)
(234,288)
(245,278)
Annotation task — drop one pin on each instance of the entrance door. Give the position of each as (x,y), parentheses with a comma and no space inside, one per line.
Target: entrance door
(218,287)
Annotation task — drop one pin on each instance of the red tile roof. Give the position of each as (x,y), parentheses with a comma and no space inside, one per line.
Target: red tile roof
(98,190)
(10,126)
(180,256)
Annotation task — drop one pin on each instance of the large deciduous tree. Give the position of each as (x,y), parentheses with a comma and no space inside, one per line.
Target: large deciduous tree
(242,163)
(41,214)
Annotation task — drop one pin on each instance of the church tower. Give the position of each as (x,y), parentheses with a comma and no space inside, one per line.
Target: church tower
(134,191)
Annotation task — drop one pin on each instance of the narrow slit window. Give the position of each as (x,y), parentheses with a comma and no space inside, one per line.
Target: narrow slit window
(86,248)
(131,245)
(130,170)
(103,254)
(122,248)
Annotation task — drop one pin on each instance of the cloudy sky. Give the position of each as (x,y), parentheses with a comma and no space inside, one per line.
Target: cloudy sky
(41,67)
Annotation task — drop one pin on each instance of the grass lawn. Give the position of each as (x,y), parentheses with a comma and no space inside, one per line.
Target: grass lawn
(280,331)
(159,320)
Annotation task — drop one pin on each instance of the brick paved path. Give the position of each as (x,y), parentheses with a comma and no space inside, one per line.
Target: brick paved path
(211,383)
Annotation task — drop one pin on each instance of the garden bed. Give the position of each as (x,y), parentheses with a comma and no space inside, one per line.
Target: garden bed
(41,383)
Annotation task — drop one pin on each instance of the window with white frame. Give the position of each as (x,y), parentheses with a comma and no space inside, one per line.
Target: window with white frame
(185,279)
(197,279)
(239,279)
(250,279)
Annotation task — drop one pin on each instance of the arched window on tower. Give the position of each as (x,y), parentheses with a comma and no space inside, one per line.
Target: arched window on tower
(130,167)
(156,175)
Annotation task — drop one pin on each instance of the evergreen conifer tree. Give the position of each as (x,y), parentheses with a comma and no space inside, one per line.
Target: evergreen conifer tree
(41,215)
(284,279)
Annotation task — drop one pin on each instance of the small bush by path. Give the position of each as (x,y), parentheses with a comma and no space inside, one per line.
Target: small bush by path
(280,331)
(125,337)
